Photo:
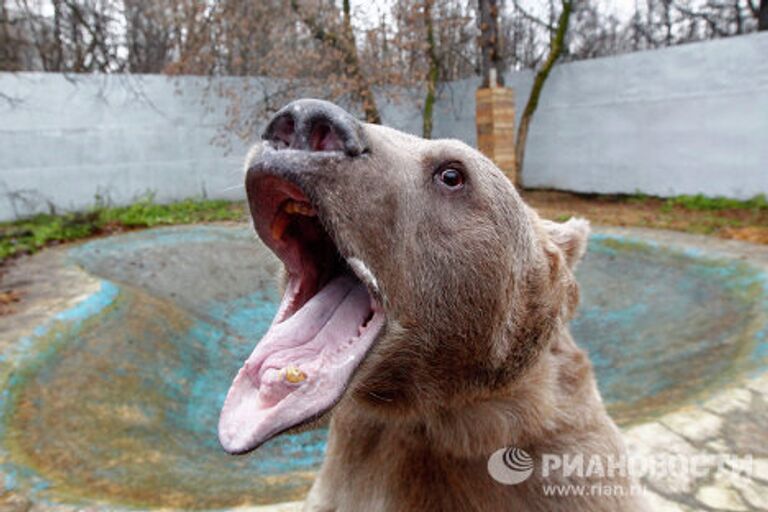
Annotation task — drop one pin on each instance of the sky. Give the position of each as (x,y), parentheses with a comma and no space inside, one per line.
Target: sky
(622,9)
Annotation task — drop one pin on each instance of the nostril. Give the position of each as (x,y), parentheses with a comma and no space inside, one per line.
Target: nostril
(283,132)
(317,126)
(324,138)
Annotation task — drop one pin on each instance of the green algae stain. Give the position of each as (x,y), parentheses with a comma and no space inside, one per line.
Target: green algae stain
(665,326)
(102,415)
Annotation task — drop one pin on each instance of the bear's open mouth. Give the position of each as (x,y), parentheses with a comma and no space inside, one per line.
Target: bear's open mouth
(327,321)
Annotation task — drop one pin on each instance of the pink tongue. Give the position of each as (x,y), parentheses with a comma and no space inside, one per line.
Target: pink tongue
(318,341)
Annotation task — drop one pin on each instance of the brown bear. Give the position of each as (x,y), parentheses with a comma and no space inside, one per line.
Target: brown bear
(425,315)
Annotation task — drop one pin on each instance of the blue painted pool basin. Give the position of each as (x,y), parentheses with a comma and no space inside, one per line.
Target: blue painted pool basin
(117,401)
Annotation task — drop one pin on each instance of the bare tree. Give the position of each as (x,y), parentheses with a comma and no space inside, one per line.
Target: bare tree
(434,41)
(761,13)
(10,41)
(433,73)
(659,23)
(490,44)
(593,33)
(520,48)
(80,36)
(148,34)
(342,39)
(555,50)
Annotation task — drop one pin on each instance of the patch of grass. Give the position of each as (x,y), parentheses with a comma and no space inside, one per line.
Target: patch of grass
(701,202)
(29,235)
(638,197)
(147,213)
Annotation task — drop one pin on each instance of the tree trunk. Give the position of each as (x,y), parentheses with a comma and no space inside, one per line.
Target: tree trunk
(489,42)
(10,58)
(58,52)
(762,16)
(364,90)
(667,19)
(345,42)
(432,74)
(555,49)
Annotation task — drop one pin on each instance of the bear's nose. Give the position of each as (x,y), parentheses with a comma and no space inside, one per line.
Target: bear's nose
(316,125)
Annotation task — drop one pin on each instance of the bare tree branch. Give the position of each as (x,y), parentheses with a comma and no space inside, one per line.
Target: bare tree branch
(530,17)
(711,21)
(345,43)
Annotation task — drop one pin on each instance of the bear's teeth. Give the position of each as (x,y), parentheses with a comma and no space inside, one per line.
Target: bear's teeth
(299,208)
(364,273)
(283,216)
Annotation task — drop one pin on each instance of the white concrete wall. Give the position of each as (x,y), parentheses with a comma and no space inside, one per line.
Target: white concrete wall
(65,140)
(684,120)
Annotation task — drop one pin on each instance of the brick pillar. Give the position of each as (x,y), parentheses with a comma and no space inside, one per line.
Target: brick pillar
(495,117)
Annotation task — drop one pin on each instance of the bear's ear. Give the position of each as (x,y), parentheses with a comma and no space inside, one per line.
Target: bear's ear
(570,236)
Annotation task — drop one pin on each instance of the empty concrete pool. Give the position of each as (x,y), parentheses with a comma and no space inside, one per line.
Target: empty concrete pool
(114,402)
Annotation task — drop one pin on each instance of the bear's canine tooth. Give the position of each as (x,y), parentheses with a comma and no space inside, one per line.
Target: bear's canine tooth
(283,217)
(299,207)
(364,273)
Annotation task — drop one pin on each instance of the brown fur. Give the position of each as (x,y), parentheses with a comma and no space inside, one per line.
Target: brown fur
(476,353)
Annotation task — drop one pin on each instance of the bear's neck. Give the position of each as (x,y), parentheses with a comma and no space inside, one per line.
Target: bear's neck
(552,410)
(557,394)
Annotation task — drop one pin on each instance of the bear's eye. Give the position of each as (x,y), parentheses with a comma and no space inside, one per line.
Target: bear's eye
(451,178)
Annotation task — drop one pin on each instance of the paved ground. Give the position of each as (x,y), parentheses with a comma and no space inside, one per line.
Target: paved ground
(732,421)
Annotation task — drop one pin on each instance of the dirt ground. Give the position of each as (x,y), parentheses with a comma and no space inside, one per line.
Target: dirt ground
(749,225)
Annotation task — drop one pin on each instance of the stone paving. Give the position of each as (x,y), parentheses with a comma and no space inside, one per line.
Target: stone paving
(732,423)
